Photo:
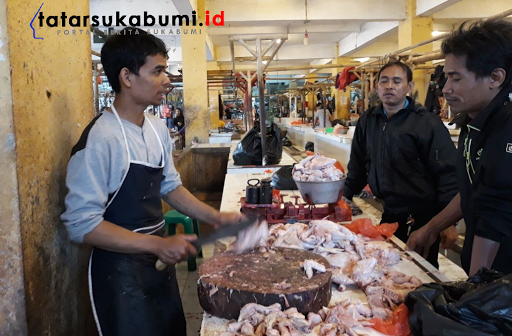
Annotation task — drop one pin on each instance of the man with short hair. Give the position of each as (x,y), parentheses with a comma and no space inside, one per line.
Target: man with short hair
(478,65)
(323,117)
(119,171)
(406,156)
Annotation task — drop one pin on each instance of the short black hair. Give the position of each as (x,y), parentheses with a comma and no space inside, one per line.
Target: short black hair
(318,104)
(129,49)
(404,67)
(487,45)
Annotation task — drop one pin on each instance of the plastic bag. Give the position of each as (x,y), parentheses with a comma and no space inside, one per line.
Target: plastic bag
(248,151)
(365,227)
(479,306)
(283,180)
(345,211)
(397,325)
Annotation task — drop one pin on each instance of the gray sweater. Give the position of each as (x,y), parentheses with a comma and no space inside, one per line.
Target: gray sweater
(99,162)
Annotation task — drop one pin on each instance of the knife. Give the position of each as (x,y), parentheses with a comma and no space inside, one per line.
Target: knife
(225,231)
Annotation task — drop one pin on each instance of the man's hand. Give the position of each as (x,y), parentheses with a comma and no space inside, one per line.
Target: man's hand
(228,218)
(421,240)
(173,249)
(449,237)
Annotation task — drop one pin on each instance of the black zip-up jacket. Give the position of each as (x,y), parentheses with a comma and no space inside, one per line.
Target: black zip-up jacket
(484,176)
(408,159)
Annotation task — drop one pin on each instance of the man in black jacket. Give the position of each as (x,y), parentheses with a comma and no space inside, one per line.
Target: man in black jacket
(406,156)
(479,70)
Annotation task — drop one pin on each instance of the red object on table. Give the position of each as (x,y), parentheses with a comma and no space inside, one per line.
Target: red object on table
(345,211)
(365,227)
(397,325)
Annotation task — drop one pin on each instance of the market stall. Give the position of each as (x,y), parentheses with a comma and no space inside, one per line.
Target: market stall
(410,263)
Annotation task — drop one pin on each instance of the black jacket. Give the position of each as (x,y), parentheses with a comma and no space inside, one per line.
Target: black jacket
(408,159)
(484,175)
(178,119)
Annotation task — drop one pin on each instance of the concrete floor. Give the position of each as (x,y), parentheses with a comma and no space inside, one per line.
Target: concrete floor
(187,282)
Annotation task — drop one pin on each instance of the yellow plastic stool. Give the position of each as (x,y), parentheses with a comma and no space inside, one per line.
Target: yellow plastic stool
(191,226)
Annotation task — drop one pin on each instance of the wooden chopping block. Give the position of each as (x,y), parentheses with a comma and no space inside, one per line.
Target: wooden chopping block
(229,281)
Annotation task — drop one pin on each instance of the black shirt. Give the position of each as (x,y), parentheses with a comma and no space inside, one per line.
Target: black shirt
(484,176)
(408,159)
(228,113)
(179,119)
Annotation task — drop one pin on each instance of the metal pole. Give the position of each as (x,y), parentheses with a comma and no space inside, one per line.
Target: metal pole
(248,109)
(290,104)
(263,115)
(96,91)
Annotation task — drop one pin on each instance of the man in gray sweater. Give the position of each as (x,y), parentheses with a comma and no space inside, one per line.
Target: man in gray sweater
(119,171)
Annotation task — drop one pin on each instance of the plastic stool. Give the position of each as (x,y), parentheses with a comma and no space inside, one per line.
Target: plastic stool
(191,226)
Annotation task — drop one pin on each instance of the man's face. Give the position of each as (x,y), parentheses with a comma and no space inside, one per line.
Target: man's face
(464,92)
(393,87)
(151,85)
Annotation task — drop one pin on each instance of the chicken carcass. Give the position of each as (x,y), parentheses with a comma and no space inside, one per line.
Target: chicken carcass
(366,271)
(317,168)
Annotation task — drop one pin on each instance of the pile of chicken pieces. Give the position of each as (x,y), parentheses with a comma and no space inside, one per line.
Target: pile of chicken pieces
(317,168)
(355,260)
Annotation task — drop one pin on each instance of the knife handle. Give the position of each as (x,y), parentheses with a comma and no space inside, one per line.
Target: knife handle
(160,266)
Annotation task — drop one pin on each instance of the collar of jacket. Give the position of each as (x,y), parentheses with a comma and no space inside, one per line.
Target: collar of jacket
(379,109)
(502,98)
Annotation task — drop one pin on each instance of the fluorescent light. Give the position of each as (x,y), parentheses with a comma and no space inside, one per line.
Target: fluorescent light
(437,33)
(362,59)
(264,62)
(278,41)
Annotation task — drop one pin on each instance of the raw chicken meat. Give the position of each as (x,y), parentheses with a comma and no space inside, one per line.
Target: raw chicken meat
(255,235)
(310,266)
(366,271)
(341,279)
(339,260)
(335,321)
(314,319)
(356,260)
(317,168)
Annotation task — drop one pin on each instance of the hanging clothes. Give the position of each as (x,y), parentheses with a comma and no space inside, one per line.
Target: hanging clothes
(345,78)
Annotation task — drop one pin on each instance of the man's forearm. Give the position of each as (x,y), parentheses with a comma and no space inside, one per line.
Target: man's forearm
(182,200)
(111,237)
(449,216)
(483,254)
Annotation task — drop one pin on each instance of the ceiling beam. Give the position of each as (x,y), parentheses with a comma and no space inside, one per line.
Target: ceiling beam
(376,48)
(473,9)
(184,6)
(348,27)
(284,11)
(430,7)
(321,61)
(371,31)
(287,52)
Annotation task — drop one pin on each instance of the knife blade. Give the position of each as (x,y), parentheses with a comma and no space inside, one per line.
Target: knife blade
(226,231)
